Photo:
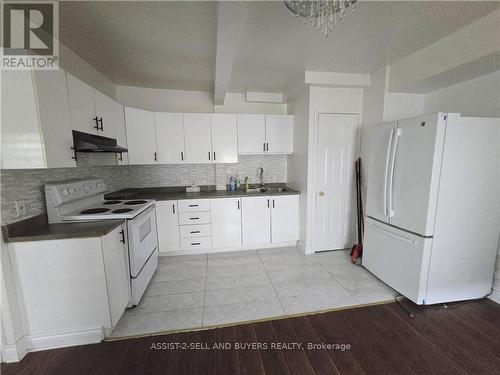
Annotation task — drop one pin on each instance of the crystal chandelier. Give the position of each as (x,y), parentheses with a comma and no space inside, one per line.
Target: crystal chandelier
(324,15)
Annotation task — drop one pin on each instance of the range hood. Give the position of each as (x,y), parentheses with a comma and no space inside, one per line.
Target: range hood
(85,142)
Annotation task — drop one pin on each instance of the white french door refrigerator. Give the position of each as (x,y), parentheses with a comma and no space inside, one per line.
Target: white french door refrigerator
(432,210)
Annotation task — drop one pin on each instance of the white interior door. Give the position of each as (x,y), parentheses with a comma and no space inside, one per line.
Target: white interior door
(169,137)
(197,135)
(335,188)
(141,139)
(224,138)
(378,169)
(418,152)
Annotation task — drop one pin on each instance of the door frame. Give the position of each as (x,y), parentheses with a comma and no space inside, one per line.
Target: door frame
(312,196)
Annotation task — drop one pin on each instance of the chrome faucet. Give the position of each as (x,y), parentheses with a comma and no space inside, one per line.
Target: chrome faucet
(261,177)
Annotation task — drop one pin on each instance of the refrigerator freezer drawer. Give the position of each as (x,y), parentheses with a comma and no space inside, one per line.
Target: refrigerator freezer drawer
(398,258)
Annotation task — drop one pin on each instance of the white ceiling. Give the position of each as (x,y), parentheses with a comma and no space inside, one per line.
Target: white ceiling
(173,44)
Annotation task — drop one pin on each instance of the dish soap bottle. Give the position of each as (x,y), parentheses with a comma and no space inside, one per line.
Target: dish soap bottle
(238,183)
(246,183)
(232,184)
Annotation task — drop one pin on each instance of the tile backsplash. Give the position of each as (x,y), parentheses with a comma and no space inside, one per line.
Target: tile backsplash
(28,184)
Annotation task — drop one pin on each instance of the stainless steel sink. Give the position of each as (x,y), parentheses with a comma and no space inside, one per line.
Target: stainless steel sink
(257,190)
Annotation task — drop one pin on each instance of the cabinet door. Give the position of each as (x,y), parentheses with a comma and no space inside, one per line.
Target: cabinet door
(120,132)
(81,105)
(21,140)
(104,111)
(117,275)
(251,134)
(168,226)
(256,220)
(279,134)
(55,119)
(285,218)
(141,139)
(198,145)
(169,137)
(224,138)
(226,222)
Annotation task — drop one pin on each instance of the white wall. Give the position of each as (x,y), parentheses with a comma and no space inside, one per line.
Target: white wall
(298,162)
(161,100)
(476,97)
(74,64)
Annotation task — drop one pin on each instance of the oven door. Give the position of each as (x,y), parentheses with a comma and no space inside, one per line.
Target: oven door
(143,239)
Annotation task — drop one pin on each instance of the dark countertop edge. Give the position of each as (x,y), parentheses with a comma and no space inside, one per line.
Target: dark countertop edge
(165,196)
(35,229)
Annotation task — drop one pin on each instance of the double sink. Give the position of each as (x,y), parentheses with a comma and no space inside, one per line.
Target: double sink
(268,190)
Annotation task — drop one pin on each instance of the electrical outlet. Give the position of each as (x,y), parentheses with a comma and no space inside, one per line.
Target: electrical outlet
(20,208)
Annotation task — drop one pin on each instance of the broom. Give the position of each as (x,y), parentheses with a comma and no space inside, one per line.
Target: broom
(357,249)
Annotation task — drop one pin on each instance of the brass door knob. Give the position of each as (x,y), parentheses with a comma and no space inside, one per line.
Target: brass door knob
(321,193)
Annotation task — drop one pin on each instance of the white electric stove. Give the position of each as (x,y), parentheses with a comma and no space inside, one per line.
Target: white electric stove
(83,200)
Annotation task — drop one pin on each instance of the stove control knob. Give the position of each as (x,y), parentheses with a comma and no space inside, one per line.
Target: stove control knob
(87,187)
(71,191)
(65,191)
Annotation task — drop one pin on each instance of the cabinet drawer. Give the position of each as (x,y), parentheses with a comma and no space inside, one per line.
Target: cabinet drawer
(192,218)
(193,205)
(204,230)
(196,243)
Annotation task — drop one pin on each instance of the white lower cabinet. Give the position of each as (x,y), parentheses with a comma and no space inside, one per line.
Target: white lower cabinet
(117,277)
(167,219)
(284,218)
(70,291)
(256,221)
(223,223)
(226,222)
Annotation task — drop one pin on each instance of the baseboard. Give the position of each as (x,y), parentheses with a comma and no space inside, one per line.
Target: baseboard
(15,352)
(63,339)
(495,296)
(220,250)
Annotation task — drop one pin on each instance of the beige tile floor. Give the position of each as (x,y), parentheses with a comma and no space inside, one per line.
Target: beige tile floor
(194,291)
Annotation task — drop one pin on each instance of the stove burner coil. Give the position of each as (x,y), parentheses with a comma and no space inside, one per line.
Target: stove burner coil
(122,210)
(108,203)
(132,203)
(91,211)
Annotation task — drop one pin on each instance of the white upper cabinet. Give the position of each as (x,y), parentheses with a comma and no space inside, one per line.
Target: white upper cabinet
(21,138)
(141,138)
(105,114)
(91,111)
(285,218)
(35,120)
(226,222)
(198,145)
(169,137)
(279,134)
(120,132)
(82,107)
(224,138)
(54,117)
(251,134)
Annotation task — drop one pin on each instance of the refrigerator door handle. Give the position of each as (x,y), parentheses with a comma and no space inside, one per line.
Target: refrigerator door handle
(386,169)
(393,235)
(396,134)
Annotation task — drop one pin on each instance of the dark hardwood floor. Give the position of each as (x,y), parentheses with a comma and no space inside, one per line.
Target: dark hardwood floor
(382,339)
